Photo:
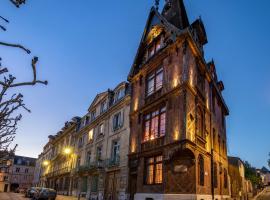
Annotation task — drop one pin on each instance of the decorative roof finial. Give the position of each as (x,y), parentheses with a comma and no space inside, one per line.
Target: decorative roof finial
(157,4)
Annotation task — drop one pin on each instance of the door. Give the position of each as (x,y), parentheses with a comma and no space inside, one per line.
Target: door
(6,188)
(112,186)
(133,186)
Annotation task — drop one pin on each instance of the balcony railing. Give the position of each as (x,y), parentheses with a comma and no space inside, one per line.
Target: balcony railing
(113,162)
(153,144)
(58,172)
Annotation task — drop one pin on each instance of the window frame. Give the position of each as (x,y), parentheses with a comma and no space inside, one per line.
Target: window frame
(153,77)
(162,110)
(155,163)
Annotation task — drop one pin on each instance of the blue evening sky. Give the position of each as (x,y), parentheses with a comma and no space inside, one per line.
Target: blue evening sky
(87,46)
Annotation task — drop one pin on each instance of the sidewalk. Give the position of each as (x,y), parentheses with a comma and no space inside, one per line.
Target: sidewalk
(61,197)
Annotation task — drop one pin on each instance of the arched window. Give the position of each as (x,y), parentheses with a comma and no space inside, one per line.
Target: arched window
(201,170)
(225,179)
(200,122)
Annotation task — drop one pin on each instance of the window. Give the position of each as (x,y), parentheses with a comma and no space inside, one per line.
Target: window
(155,125)
(94,184)
(78,164)
(26,170)
(80,143)
(215,176)
(117,122)
(87,119)
(103,107)
(99,153)
(225,179)
(93,115)
(119,94)
(155,81)
(88,157)
(115,150)
(101,129)
(201,170)
(154,170)
(17,169)
(200,123)
(91,135)
(154,47)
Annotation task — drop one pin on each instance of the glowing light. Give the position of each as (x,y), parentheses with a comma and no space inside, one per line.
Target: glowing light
(191,76)
(67,151)
(46,163)
(133,146)
(152,137)
(136,104)
(176,134)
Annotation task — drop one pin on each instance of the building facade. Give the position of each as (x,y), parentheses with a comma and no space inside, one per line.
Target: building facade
(178,145)
(22,172)
(88,157)
(241,188)
(102,147)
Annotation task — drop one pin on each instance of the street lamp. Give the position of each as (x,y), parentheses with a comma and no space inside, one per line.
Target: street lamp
(45,163)
(67,150)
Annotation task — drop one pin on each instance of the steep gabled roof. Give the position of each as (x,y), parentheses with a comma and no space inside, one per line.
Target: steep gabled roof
(175,12)
(154,19)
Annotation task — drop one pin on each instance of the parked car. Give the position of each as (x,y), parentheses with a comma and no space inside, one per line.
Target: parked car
(31,191)
(45,194)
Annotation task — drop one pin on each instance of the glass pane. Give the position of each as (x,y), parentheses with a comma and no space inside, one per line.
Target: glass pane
(146,131)
(162,124)
(159,80)
(150,88)
(158,177)
(150,174)
(154,128)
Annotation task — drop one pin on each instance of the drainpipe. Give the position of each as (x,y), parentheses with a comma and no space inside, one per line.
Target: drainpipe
(212,145)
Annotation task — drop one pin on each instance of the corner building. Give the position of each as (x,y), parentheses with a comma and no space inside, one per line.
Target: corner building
(177,117)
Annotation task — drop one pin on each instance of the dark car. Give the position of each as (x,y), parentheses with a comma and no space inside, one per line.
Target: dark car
(31,191)
(45,194)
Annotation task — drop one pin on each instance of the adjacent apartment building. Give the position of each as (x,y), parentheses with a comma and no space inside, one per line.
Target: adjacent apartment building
(17,173)
(178,146)
(88,157)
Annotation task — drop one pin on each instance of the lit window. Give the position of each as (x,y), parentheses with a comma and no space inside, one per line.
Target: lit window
(154,170)
(155,81)
(91,135)
(155,125)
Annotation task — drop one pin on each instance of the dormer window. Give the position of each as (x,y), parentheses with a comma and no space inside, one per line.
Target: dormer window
(93,115)
(103,107)
(119,94)
(155,47)
(155,81)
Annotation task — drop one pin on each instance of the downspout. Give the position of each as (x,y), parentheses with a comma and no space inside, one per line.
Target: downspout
(212,146)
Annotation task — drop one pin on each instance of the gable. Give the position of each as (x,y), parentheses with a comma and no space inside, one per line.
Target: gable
(97,99)
(156,25)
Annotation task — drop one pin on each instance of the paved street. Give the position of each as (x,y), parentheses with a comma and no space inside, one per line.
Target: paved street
(265,195)
(15,196)
(12,196)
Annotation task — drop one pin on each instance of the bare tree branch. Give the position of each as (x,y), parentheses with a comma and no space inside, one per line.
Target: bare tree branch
(16,46)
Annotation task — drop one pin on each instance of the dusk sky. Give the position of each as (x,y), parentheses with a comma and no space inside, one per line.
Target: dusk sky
(87,46)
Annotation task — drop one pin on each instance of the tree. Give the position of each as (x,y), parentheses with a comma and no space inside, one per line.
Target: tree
(11,100)
(252,175)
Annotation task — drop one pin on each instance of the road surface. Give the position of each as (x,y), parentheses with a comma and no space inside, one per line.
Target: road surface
(265,195)
(16,196)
